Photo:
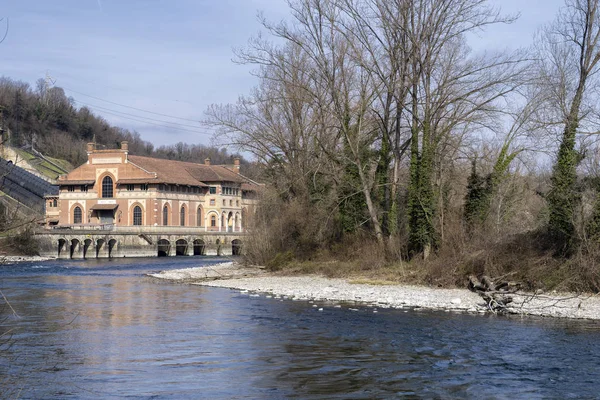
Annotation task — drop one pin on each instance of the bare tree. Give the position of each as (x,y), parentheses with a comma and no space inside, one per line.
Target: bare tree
(5,34)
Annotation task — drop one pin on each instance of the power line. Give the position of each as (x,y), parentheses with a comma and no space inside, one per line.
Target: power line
(155,124)
(134,115)
(133,108)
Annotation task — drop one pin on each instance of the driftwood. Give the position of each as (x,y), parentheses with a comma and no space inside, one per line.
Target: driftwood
(496,294)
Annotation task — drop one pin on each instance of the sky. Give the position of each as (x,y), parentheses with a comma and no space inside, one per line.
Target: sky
(147,65)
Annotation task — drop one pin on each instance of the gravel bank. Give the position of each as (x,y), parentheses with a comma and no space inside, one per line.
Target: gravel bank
(15,259)
(315,288)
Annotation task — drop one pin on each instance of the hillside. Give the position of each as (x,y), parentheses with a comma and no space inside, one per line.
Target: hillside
(33,161)
(46,119)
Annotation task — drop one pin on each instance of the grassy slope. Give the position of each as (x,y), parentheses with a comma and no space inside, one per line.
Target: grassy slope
(51,169)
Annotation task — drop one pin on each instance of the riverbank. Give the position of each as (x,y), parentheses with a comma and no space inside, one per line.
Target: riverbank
(16,259)
(333,292)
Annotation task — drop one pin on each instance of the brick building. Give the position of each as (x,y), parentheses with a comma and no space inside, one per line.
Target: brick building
(115,189)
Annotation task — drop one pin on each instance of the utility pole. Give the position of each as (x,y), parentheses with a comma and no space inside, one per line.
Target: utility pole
(49,82)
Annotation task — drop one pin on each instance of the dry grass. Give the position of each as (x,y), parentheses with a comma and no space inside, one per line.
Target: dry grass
(522,259)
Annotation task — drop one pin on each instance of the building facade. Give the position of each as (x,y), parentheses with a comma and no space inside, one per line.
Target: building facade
(116,191)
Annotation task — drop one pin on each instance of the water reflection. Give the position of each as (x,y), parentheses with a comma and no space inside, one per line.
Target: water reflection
(103,330)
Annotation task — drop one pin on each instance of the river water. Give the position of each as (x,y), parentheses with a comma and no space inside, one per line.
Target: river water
(102,329)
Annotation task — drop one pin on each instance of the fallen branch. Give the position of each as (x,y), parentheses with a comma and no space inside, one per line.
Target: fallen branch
(496,295)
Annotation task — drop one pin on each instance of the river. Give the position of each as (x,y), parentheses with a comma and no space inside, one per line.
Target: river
(102,329)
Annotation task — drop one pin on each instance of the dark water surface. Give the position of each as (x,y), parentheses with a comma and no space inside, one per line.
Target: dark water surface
(103,329)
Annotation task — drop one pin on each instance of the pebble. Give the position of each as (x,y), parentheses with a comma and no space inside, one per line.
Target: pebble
(320,289)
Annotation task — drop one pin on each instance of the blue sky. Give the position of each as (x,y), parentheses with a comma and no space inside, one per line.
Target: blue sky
(170,57)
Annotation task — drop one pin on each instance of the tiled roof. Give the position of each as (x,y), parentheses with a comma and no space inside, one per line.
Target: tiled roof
(186,173)
(136,180)
(76,182)
(155,170)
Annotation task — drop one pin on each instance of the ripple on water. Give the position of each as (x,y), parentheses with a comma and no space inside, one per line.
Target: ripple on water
(101,329)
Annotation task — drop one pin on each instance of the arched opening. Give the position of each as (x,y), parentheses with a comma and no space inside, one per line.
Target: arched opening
(61,246)
(86,245)
(164,248)
(199,217)
(137,216)
(77,215)
(107,187)
(213,222)
(74,247)
(165,215)
(199,247)
(112,243)
(181,247)
(236,223)
(182,216)
(99,245)
(236,247)
(223,224)
(230,222)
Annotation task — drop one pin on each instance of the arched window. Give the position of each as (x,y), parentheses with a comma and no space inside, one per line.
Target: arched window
(199,217)
(107,187)
(165,215)
(182,216)
(213,221)
(77,216)
(137,215)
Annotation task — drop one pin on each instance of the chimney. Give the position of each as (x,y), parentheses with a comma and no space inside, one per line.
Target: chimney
(91,147)
(236,164)
(207,161)
(125,145)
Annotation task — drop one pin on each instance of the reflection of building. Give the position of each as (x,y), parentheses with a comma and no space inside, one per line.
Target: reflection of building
(115,189)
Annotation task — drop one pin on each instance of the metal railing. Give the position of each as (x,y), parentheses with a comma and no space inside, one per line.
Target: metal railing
(146,229)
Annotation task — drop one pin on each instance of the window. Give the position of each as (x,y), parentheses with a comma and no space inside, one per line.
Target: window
(199,216)
(137,215)
(237,203)
(77,215)
(230,203)
(71,188)
(212,202)
(83,188)
(165,215)
(161,188)
(144,187)
(130,188)
(213,221)
(212,190)
(54,203)
(182,216)
(107,187)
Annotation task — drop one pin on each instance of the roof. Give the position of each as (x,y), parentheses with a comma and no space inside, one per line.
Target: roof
(76,182)
(136,180)
(140,170)
(187,173)
(104,206)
